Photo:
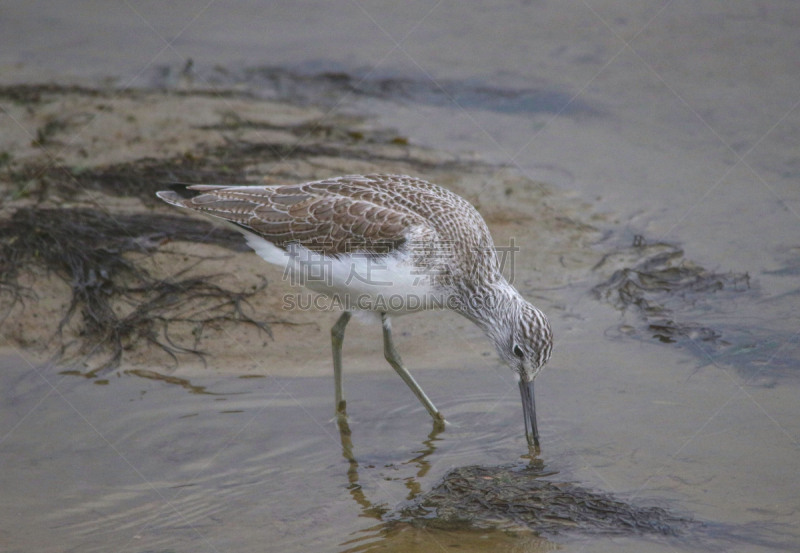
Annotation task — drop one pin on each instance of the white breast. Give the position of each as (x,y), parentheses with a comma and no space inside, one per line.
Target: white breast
(356,282)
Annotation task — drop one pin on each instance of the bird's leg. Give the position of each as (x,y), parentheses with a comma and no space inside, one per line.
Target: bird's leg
(397,364)
(337,338)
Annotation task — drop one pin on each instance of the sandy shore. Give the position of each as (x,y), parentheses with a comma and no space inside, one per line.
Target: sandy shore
(106,151)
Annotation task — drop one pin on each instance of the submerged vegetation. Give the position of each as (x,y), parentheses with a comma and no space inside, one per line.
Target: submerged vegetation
(658,283)
(522,497)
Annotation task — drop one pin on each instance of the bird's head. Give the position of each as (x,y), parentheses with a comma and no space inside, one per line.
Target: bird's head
(524,340)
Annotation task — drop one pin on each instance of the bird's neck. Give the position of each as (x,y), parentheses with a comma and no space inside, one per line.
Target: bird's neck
(488,304)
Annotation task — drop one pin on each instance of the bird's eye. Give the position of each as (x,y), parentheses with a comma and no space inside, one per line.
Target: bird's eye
(518,352)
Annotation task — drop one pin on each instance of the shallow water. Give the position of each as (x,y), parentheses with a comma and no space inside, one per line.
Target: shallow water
(257,464)
(678,122)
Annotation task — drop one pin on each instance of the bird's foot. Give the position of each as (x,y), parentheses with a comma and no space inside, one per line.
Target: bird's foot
(439,423)
(534,451)
(341,419)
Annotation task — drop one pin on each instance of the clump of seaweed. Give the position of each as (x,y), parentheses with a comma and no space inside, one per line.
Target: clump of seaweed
(94,252)
(226,164)
(657,282)
(34,93)
(514,496)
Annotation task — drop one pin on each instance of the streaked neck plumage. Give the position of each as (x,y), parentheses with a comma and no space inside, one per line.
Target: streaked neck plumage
(509,321)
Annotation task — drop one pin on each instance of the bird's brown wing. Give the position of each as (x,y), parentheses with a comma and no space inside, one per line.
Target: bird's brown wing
(331,217)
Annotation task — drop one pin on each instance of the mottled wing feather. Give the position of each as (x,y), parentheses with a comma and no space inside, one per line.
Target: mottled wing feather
(327,219)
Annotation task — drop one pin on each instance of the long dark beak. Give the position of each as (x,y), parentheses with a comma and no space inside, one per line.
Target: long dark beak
(529,410)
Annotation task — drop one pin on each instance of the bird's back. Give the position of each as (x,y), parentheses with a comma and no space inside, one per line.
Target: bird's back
(377,214)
